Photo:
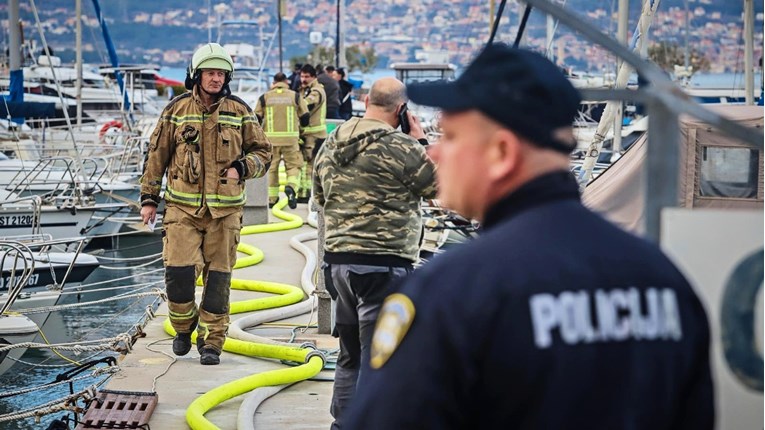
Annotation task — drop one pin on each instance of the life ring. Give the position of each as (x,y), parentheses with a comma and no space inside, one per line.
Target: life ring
(114,124)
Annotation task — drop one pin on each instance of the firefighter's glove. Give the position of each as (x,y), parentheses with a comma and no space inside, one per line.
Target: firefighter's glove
(241,168)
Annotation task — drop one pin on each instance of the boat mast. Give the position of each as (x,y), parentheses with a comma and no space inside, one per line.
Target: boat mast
(621,36)
(639,39)
(749,50)
(279,13)
(78,60)
(16,91)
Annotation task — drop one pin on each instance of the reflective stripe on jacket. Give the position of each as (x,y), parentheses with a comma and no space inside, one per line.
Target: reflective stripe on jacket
(196,148)
(280,109)
(314,95)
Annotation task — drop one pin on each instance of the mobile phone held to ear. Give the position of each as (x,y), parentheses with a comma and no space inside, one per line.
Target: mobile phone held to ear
(403,119)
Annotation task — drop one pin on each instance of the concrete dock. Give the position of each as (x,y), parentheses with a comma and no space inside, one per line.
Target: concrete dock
(304,405)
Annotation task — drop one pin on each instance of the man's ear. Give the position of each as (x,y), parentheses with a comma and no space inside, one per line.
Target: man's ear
(503,154)
(366,102)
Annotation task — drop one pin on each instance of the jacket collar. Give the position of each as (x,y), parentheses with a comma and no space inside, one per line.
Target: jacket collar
(198,100)
(547,188)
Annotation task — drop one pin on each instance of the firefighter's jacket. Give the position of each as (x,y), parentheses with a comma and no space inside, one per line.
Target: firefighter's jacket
(316,99)
(281,111)
(196,147)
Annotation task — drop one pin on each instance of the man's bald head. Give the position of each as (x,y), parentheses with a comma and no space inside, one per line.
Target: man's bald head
(387,94)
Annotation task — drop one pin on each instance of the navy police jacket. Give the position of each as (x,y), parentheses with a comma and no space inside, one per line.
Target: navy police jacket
(552,319)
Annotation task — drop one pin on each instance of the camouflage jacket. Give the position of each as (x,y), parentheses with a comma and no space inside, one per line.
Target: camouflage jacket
(196,147)
(370,179)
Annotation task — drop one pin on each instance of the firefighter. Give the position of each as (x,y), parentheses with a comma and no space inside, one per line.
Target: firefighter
(208,142)
(282,112)
(316,132)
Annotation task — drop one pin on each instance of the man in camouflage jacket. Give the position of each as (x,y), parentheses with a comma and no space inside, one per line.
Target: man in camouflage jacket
(369,179)
(208,142)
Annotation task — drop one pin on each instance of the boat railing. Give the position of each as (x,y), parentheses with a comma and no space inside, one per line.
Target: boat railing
(60,176)
(664,102)
(35,202)
(21,264)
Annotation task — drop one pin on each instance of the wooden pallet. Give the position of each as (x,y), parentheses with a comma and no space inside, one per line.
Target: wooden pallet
(119,410)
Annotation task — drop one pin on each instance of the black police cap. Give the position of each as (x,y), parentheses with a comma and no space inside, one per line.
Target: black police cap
(519,89)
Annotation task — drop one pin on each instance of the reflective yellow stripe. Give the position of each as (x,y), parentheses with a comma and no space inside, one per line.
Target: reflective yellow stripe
(183,316)
(185,198)
(178,120)
(314,129)
(232,120)
(282,134)
(269,119)
(291,119)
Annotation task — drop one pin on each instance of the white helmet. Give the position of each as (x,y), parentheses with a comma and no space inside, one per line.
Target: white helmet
(211,56)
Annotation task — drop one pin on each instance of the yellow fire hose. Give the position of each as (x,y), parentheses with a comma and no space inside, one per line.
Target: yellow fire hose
(313,361)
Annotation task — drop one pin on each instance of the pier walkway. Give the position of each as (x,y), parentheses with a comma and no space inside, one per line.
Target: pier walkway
(304,405)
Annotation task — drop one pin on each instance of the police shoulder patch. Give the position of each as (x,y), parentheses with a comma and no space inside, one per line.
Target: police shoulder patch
(396,316)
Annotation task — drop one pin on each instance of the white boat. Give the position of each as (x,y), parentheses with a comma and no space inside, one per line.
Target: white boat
(33,275)
(14,329)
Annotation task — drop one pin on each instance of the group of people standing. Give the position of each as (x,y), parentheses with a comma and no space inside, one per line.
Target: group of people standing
(293,114)
(552,318)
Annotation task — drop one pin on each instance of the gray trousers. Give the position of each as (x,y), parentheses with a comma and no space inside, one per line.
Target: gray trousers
(360,290)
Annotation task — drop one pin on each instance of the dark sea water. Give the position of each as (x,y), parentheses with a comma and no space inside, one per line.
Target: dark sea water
(92,322)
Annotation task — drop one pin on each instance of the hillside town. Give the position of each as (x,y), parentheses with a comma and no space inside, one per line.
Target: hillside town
(397,30)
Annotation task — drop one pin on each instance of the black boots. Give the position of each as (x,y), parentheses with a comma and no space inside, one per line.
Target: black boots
(291,196)
(208,356)
(182,344)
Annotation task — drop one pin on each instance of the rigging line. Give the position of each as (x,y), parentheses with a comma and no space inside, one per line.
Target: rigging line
(109,281)
(97,372)
(522,27)
(94,330)
(64,105)
(142,257)
(134,288)
(46,366)
(149,263)
(496,21)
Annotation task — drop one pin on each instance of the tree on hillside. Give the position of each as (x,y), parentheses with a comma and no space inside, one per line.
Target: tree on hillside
(668,54)
(359,58)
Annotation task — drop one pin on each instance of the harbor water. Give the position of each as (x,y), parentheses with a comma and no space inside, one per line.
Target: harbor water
(133,265)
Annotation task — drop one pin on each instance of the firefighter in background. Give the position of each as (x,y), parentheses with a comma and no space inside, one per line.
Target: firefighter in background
(282,112)
(316,132)
(208,142)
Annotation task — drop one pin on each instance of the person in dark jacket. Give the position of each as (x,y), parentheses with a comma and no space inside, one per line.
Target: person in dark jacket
(332,89)
(294,77)
(346,88)
(553,318)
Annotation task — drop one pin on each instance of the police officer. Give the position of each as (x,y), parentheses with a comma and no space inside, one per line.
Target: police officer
(553,318)
(282,112)
(313,135)
(369,180)
(208,141)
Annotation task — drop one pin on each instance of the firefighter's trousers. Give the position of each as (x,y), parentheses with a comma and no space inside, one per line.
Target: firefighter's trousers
(194,246)
(310,143)
(293,162)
